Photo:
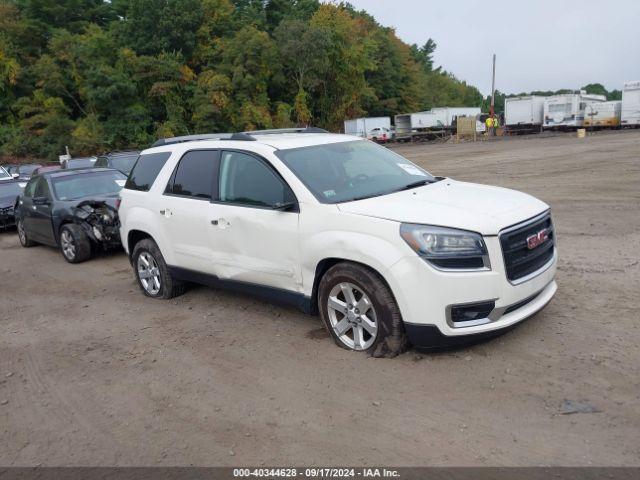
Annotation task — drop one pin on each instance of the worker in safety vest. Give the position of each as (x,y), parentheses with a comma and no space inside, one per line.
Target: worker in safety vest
(489,124)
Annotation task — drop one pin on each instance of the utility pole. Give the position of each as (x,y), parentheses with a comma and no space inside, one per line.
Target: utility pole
(493,89)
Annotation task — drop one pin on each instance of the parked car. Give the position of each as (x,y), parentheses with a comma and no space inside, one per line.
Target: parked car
(46,168)
(71,209)
(22,172)
(5,175)
(122,161)
(80,162)
(383,250)
(9,193)
(380,135)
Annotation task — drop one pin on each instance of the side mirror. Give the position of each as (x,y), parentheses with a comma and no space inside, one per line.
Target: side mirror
(41,201)
(15,175)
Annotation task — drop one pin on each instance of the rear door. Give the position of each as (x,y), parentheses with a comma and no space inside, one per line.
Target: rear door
(185,208)
(251,239)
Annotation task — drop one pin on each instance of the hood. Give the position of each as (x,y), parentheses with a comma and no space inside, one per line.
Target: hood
(448,203)
(8,201)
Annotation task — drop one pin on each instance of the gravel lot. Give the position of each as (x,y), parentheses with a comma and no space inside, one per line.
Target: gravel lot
(94,373)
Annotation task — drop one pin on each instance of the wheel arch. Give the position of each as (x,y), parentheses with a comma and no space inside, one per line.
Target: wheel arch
(135,236)
(323,267)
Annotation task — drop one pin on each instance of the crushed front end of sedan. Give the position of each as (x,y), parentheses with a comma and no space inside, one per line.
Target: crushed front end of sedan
(99,221)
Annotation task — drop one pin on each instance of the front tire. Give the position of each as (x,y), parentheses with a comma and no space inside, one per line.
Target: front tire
(74,244)
(25,241)
(152,274)
(360,312)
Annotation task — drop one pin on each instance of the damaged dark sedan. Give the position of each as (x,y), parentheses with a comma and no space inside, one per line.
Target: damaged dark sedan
(73,210)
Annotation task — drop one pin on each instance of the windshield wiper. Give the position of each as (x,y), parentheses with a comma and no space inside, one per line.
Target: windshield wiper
(419,183)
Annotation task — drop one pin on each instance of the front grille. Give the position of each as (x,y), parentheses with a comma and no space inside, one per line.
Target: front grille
(519,259)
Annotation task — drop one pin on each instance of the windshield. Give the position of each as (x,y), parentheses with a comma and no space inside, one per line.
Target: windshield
(4,174)
(124,163)
(71,187)
(341,172)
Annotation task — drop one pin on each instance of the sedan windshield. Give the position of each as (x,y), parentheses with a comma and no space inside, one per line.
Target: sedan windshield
(353,170)
(88,184)
(4,175)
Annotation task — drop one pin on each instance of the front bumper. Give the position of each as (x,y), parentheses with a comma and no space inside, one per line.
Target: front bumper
(425,297)
(429,336)
(7,218)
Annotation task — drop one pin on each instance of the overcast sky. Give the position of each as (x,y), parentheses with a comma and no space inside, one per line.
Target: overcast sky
(540,44)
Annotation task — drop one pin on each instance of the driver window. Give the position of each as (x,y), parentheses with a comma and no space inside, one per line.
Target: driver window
(30,188)
(245,180)
(42,188)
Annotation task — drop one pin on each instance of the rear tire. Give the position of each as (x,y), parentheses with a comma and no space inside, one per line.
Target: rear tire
(359,311)
(23,236)
(152,274)
(75,246)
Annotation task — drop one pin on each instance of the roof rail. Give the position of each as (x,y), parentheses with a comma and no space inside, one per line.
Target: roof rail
(240,136)
(275,131)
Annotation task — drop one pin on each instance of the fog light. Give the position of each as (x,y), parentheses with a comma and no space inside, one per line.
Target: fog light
(470,314)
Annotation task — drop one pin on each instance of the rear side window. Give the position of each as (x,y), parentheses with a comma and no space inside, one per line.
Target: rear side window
(146,170)
(194,175)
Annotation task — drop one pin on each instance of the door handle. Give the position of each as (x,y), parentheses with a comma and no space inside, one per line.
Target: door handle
(166,212)
(221,223)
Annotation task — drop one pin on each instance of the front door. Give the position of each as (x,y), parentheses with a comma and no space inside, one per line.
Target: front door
(253,235)
(37,204)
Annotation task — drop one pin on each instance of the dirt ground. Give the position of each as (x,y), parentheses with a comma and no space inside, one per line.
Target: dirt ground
(94,373)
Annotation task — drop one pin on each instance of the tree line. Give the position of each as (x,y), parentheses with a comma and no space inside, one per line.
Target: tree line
(100,75)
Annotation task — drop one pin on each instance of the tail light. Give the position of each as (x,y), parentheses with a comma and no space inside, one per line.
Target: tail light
(118,202)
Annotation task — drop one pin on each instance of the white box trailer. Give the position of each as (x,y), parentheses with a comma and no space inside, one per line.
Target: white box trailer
(414,122)
(446,115)
(524,113)
(602,114)
(361,127)
(630,113)
(567,110)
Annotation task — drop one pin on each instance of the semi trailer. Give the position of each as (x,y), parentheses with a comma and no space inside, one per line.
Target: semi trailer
(524,114)
(630,111)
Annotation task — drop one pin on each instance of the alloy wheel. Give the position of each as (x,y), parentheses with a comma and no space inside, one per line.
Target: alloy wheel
(22,235)
(68,245)
(352,316)
(149,273)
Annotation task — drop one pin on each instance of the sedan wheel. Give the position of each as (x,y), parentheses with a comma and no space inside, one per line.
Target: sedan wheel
(352,316)
(149,273)
(68,246)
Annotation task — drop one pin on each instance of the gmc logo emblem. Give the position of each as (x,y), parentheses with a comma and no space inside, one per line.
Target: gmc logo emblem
(537,239)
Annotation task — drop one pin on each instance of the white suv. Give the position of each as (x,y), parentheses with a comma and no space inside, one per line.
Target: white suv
(386,253)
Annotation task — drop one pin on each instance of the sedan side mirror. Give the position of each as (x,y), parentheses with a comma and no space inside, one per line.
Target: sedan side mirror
(41,201)
(15,175)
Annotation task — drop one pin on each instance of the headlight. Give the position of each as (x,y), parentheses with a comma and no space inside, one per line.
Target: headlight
(447,248)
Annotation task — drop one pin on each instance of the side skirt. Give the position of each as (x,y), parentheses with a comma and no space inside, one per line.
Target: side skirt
(271,294)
